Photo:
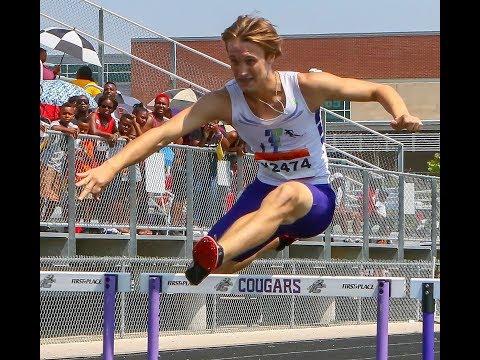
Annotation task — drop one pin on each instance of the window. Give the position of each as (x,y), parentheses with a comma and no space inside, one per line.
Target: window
(118,73)
(339,107)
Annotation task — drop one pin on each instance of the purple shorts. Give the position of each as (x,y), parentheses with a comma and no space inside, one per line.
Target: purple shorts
(313,223)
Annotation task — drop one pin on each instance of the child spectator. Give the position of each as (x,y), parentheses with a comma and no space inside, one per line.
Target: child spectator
(53,161)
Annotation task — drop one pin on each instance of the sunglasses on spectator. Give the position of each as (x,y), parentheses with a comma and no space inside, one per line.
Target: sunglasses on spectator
(106,106)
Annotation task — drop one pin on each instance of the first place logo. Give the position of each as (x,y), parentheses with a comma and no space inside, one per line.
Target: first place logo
(47,281)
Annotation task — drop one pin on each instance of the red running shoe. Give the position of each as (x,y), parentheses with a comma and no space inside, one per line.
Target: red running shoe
(207,256)
(207,253)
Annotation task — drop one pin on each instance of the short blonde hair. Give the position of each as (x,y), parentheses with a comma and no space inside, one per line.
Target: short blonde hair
(257,30)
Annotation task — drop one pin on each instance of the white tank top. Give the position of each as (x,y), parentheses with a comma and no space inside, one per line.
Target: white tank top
(287,147)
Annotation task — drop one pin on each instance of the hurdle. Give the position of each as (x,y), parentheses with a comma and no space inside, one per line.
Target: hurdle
(108,283)
(382,288)
(427,290)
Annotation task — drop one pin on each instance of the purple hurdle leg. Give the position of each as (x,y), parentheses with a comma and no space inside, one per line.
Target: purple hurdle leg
(382,319)
(154,289)
(428,307)
(110,288)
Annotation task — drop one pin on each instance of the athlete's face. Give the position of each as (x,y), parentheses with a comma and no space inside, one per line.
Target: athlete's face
(249,65)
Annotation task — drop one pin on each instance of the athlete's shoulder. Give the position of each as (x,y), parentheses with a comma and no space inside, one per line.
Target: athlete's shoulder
(218,102)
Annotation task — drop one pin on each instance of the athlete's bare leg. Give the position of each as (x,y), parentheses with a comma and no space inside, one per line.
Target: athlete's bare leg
(284,205)
(231,267)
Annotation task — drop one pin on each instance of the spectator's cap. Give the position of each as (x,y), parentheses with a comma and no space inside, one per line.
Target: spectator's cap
(336,176)
(162,96)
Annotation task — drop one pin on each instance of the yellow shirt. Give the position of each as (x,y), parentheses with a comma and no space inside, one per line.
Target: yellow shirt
(90,87)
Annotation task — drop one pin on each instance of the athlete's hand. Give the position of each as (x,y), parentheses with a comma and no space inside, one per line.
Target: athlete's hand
(95,180)
(408,122)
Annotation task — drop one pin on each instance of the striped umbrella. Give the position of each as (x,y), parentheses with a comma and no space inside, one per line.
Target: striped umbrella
(69,42)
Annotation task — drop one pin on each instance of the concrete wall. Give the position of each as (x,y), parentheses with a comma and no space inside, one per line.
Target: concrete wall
(422,100)
(56,246)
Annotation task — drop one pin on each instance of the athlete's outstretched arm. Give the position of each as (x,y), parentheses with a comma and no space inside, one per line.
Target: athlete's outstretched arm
(324,86)
(208,108)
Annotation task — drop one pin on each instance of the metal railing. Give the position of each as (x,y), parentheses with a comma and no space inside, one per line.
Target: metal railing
(172,190)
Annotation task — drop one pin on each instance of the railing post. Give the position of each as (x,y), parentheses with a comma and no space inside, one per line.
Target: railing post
(189,241)
(433,229)
(71,242)
(101,50)
(401,218)
(132,182)
(366,199)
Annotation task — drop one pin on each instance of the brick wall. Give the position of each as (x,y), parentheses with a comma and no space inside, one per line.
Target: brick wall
(362,57)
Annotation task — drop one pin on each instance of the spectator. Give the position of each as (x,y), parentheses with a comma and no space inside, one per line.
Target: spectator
(82,105)
(161,110)
(101,122)
(84,79)
(110,89)
(47,73)
(143,118)
(53,161)
(128,130)
(85,160)
(343,212)
(378,217)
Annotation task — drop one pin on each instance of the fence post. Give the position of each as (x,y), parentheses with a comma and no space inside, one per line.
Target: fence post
(189,241)
(132,243)
(400,158)
(327,249)
(401,217)
(71,242)
(366,199)
(122,306)
(433,226)
(240,175)
(101,50)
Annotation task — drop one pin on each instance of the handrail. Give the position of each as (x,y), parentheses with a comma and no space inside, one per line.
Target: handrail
(132,56)
(361,126)
(163,36)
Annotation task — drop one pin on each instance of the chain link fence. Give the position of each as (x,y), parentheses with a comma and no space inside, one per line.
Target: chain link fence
(76,317)
(159,187)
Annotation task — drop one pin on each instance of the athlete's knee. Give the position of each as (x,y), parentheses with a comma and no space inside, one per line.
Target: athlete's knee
(284,196)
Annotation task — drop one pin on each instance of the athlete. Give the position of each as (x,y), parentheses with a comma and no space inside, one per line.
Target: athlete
(274,113)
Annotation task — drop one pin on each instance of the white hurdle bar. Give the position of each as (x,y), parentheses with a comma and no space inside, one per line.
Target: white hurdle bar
(328,286)
(427,290)
(108,283)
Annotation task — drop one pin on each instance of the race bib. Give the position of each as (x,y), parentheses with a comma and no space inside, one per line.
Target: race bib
(286,165)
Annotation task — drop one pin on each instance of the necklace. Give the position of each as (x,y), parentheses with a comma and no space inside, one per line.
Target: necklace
(277,89)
